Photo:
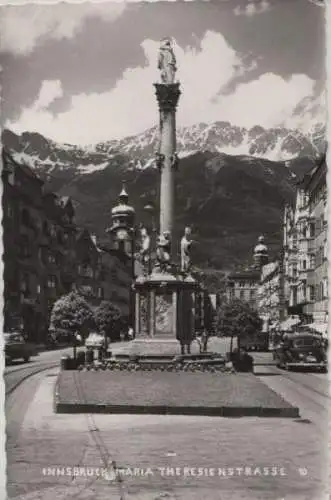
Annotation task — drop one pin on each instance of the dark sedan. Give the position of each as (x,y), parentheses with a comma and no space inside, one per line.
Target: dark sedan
(304,350)
(17,348)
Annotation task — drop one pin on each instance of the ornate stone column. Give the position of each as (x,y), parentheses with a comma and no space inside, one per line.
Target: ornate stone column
(167,95)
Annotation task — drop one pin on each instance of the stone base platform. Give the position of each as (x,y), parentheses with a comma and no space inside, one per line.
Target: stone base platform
(227,395)
(153,346)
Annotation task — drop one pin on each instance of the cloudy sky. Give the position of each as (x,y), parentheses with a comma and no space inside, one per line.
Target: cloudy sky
(84,73)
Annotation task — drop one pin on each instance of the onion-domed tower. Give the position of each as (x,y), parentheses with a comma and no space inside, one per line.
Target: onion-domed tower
(122,228)
(260,256)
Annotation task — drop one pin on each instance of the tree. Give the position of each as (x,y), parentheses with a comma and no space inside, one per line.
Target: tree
(109,319)
(237,319)
(71,313)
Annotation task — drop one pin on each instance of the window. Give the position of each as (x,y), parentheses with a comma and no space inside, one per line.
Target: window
(242,294)
(51,259)
(59,237)
(325,288)
(11,178)
(121,246)
(38,289)
(311,262)
(53,231)
(25,217)
(51,282)
(10,211)
(312,293)
(325,251)
(100,293)
(24,285)
(304,264)
(89,272)
(25,250)
(252,294)
(312,230)
(45,228)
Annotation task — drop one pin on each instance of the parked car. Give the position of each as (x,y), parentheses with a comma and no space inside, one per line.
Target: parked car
(256,342)
(301,350)
(16,347)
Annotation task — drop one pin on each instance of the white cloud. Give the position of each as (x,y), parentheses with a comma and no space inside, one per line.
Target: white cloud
(23,27)
(253,7)
(130,107)
(50,91)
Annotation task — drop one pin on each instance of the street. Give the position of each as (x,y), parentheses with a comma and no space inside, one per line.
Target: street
(161,455)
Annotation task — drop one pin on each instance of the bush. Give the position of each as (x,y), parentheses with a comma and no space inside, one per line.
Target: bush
(109,320)
(72,314)
(237,319)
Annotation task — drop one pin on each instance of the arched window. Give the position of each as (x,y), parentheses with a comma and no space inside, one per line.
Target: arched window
(59,237)
(25,217)
(46,228)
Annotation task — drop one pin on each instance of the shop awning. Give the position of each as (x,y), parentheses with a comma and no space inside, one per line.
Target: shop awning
(289,323)
(319,327)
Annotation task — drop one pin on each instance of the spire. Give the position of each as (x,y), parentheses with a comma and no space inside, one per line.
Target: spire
(123,197)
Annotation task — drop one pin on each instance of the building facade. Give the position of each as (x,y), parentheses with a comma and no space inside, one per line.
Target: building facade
(46,255)
(305,262)
(268,294)
(38,238)
(243,285)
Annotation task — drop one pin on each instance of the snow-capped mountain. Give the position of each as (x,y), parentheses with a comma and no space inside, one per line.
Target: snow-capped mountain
(230,199)
(137,151)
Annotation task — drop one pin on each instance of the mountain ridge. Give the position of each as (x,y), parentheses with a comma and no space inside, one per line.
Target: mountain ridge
(229,199)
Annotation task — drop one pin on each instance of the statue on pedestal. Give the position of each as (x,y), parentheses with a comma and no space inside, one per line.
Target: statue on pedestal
(145,249)
(163,251)
(167,62)
(185,250)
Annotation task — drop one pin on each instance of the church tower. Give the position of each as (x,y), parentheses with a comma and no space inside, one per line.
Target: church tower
(261,255)
(122,228)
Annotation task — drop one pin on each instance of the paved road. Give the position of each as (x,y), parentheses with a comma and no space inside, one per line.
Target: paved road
(157,445)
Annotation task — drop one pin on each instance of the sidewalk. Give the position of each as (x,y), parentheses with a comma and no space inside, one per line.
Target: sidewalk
(139,443)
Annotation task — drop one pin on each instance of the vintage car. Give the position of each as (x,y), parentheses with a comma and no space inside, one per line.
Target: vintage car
(17,348)
(301,350)
(257,342)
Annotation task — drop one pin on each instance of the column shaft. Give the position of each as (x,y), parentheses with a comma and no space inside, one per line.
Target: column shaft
(137,313)
(167,149)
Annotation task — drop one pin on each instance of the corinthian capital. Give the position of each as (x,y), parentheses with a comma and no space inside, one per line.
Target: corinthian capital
(167,95)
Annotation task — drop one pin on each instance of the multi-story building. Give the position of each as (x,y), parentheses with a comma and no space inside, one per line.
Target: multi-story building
(38,239)
(305,249)
(268,294)
(46,255)
(243,285)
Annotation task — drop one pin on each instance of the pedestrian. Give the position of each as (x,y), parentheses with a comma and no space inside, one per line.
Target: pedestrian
(204,340)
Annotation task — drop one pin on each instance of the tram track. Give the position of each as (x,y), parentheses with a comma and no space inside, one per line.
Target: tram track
(291,376)
(14,378)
